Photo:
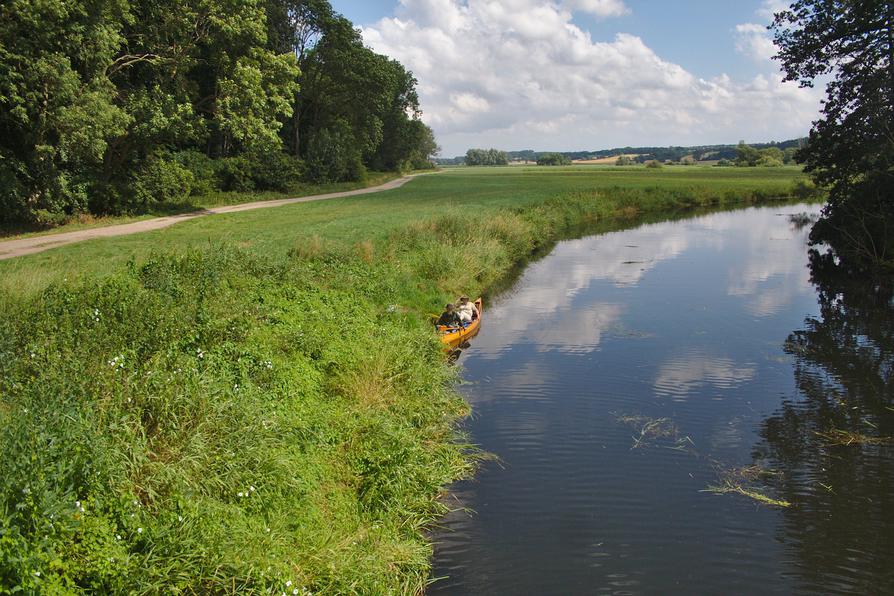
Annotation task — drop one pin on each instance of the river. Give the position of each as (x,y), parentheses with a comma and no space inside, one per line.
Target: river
(627,376)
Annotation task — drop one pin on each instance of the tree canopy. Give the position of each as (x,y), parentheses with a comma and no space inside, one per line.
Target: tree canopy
(553,159)
(486,157)
(851,147)
(110,106)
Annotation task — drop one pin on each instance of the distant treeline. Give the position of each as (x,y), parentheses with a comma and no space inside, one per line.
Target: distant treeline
(645,154)
(113,107)
(485,157)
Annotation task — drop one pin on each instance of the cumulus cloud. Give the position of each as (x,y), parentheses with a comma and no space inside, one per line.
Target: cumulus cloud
(520,73)
(770,7)
(599,8)
(754,41)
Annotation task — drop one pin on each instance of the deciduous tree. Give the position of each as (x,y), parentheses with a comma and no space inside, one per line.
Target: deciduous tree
(851,147)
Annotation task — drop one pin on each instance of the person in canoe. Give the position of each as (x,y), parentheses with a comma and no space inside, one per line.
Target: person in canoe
(449,318)
(466,310)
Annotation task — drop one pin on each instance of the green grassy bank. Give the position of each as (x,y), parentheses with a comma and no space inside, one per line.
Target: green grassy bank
(255,403)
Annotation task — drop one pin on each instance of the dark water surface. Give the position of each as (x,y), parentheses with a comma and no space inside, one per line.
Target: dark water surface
(626,373)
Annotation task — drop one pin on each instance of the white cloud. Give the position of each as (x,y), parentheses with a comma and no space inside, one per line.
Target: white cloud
(599,8)
(770,7)
(753,40)
(520,73)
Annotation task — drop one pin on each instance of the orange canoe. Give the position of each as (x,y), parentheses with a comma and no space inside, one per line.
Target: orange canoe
(454,337)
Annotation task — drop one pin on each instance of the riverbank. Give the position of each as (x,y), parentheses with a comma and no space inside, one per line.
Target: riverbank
(255,402)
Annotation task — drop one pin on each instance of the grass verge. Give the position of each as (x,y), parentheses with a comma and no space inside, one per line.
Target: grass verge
(267,413)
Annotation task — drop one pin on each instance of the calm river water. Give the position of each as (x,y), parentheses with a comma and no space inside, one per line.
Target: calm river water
(627,373)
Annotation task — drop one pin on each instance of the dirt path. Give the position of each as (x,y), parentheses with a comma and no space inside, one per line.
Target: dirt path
(26,246)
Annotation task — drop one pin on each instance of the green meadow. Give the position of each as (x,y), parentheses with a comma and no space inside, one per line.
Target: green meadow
(255,403)
(467,192)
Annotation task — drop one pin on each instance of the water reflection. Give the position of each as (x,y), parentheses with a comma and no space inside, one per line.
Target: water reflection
(680,375)
(681,321)
(840,531)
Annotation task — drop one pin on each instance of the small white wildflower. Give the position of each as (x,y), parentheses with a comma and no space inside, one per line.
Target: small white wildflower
(139,530)
(295,591)
(289,584)
(26,491)
(180,518)
(33,354)
(251,488)
(37,573)
(117,536)
(240,494)
(267,530)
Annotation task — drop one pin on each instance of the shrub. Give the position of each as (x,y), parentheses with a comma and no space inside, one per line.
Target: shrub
(766,161)
(654,164)
(205,171)
(236,175)
(275,170)
(158,180)
(333,156)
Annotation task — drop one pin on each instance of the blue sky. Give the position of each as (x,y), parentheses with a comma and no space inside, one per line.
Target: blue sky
(589,74)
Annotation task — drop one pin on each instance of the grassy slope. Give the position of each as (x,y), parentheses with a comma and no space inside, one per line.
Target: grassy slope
(266,404)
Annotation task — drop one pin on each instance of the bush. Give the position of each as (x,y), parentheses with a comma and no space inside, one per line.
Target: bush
(333,156)
(654,164)
(13,203)
(159,180)
(205,171)
(274,170)
(767,161)
(235,174)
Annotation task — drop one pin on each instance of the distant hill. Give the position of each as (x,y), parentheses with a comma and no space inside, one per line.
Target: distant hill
(643,154)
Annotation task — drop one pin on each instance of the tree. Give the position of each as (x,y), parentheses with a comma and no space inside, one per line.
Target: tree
(624,160)
(851,147)
(59,113)
(553,159)
(486,157)
(746,156)
(789,156)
